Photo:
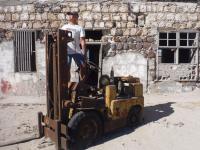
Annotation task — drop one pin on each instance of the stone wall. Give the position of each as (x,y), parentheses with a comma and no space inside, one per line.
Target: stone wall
(134,24)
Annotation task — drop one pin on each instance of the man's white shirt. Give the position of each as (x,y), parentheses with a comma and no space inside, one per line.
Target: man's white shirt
(77,32)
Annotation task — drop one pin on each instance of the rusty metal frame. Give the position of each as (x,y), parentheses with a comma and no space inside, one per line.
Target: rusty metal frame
(52,125)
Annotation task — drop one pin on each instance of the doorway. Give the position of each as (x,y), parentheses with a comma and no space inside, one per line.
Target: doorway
(93,46)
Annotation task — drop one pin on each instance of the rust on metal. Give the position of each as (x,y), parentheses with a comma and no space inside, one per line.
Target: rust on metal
(64,130)
(50,133)
(63,69)
(64,143)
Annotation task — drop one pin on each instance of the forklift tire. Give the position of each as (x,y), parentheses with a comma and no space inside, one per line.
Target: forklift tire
(134,117)
(84,129)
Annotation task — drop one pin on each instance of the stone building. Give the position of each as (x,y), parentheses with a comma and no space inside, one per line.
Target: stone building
(157,41)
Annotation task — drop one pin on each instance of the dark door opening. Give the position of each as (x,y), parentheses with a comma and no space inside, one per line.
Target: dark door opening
(93,56)
(93,45)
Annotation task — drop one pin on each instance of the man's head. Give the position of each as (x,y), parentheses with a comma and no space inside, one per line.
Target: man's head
(73,17)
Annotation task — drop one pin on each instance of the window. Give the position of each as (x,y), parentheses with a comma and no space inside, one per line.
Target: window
(177,47)
(24,50)
(167,39)
(167,55)
(188,39)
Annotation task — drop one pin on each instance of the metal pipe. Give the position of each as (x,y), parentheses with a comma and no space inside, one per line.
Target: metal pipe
(100,62)
(197,79)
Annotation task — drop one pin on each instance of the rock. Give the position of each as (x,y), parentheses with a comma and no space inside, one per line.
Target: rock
(18,8)
(146,45)
(56,9)
(31,8)
(116,17)
(32,16)
(101,25)
(44,16)
(130,40)
(123,39)
(131,46)
(24,16)
(108,24)
(97,8)
(192,17)
(124,16)
(89,7)
(141,20)
(135,8)
(97,16)
(126,46)
(126,32)
(132,17)
(66,9)
(123,8)
(2,17)
(106,17)
(12,9)
(82,7)
(119,46)
(143,8)
(37,25)
(88,24)
(130,25)
(61,16)
(73,4)
(116,32)
(113,8)
(52,16)
(87,16)
(139,46)
(105,8)
(55,24)
(38,17)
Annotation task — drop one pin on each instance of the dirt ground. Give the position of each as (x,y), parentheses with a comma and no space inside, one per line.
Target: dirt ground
(171,122)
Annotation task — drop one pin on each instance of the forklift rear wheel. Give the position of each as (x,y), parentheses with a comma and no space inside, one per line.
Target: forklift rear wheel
(84,129)
(134,116)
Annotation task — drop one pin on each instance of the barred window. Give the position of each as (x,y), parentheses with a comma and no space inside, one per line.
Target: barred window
(24,50)
(177,47)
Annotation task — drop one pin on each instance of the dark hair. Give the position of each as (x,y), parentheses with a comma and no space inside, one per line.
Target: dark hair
(73,13)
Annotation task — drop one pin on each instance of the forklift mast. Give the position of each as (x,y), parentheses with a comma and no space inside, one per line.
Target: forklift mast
(52,124)
(57,72)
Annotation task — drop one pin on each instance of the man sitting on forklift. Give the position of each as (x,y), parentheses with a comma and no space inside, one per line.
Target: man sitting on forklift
(73,48)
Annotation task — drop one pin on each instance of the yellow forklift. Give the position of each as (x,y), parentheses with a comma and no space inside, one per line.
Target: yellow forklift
(78,115)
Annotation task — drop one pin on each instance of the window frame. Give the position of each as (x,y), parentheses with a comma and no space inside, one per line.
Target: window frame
(177,47)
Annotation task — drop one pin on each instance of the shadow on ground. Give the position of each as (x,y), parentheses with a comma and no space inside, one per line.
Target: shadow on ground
(151,114)
(154,113)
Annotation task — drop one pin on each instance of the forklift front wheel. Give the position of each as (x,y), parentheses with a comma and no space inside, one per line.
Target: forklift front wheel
(84,129)
(134,116)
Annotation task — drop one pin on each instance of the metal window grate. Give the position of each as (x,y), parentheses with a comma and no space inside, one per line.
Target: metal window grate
(24,50)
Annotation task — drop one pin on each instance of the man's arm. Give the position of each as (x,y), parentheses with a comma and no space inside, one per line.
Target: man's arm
(83,45)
